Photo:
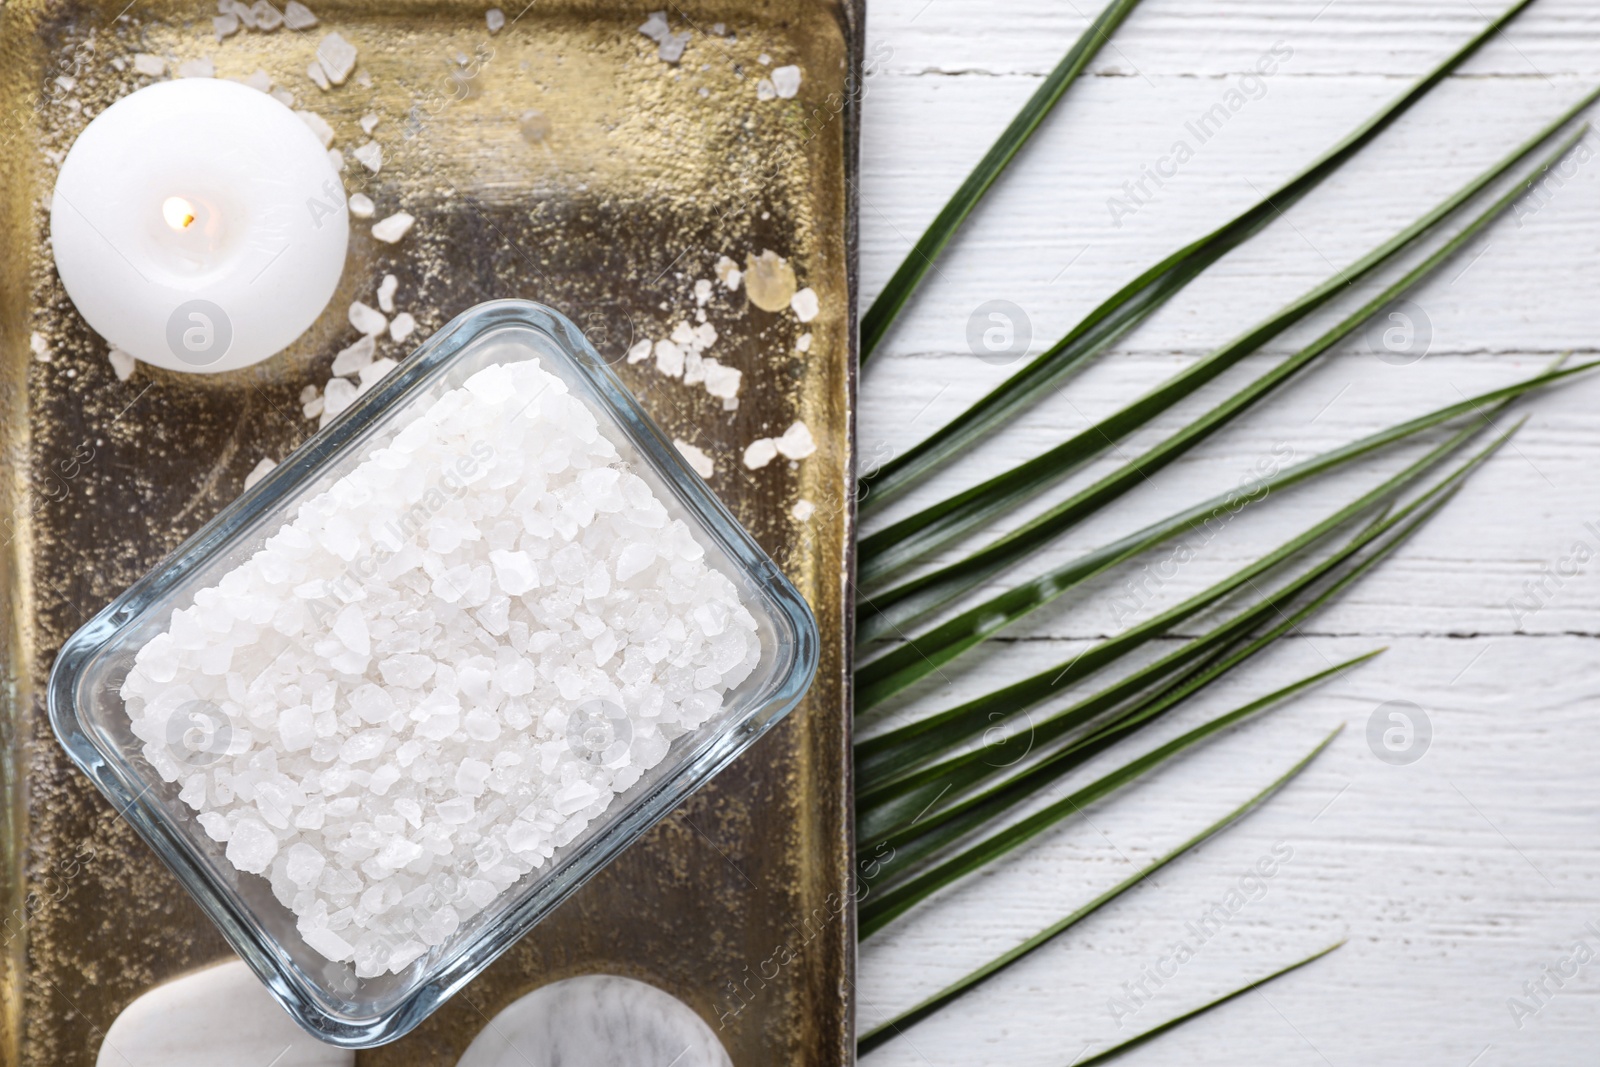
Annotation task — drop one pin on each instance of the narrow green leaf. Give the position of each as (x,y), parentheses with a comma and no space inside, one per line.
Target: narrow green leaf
(875,323)
(1171,1024)
(1141,297)
(897,812)
(944,585)
(907,664)
(878,910)
(912,539)
(914,844)
(884,1032)
(940,732)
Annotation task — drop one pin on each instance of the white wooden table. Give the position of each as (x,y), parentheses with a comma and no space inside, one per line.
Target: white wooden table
(1457,878)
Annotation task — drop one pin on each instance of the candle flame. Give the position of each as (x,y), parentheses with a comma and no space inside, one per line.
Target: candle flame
(178,212)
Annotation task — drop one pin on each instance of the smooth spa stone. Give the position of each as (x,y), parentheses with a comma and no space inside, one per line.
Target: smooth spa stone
(596,1020)
(221,1015)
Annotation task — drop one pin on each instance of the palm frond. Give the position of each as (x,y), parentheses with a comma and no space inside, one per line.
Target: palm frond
(1141,297)
(875,323)
(934,590)
(878,910)
(903,666)
(912,539)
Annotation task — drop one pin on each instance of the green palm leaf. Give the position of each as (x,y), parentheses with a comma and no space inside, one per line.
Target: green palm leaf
(878,909)
(900,1023)
(875,323)
(1141,297)
(1171,1024)
(905,543)
(940,733)
(942,586)
(921,656)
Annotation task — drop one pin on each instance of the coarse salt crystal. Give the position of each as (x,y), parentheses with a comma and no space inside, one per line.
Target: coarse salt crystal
(804,304)
(402,326)
(259,471)
(803,510)
(351,359)
(297,16)
(122,363)
(786,81)
(393,228)
(797,442)
(367,319)
(319,126)
(386,289)
(197,68)
(760,452)
(369,155)
(495,19)
(337,58)
(698,461)
(148,65)
(361,205)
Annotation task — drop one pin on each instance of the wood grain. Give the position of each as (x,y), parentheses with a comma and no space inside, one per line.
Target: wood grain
(1457,878)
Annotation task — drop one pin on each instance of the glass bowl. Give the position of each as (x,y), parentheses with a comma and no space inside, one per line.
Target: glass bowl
(328,998)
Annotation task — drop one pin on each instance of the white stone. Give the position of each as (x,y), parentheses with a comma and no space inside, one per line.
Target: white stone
(219,1015)
(596,1020)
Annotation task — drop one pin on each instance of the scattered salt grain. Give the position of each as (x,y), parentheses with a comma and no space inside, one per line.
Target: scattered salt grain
(361,205)
(224,26)
(312,408)
(336,159)
(721,381)
(702,291)
(764,59)
(457,761)
(297,16)
(672,47)
(318,76)
(760,452)
(797,442)
(351,359)
(669,359)
(765,90)
(655,26)
(318,125)
(283,96)
(786,81)
(386,290)
(148,65)
(393,228)
(258,79)
(337,57)
(697,459)
(374,372)
(339,394)
(802,343)
(122,363)
(259,471)
(804,304)
(268,18)
(369,122)
(402,326)
(368,320)
(728,273)
(769,281)
(496,19)
(197,68)
(534,126)
(803,510)
(369,155)
(640,351)
(40,347)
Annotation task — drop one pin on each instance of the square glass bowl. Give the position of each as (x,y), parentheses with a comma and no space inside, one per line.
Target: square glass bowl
(327,998)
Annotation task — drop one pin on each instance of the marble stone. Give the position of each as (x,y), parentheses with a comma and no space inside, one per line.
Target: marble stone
(220,1015)
(597,1020)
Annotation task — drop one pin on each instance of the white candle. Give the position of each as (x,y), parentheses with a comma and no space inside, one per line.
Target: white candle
(198,225)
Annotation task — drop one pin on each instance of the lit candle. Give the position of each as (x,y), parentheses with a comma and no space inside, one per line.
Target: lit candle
(199,225)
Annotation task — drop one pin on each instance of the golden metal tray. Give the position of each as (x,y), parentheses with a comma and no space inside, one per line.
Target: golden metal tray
(560,160)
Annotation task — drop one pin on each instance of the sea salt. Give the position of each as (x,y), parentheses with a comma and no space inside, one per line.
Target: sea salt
(319,126)
(337,57)
(369,155)
(441,669)
(786,81)
(297,16)
(361,205)
(495,19)
(393,228)
(386,289)
(402,327)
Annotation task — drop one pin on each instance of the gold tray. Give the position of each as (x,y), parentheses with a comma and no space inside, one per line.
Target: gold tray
(739,902)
